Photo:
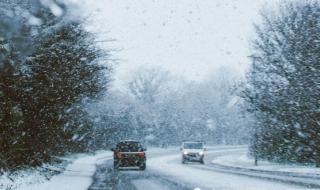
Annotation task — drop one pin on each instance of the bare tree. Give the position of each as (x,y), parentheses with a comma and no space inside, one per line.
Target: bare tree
(148,83)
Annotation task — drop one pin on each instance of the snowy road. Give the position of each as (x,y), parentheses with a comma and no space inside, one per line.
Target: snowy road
(165,171)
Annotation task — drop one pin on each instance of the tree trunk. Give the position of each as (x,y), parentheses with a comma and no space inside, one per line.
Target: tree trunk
(255,160)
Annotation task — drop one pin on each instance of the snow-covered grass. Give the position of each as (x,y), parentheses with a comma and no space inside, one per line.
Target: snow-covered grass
(242,160)
(76,174)
(29,176)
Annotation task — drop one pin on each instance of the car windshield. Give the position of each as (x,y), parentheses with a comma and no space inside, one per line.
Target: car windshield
(129,147)
(193,145)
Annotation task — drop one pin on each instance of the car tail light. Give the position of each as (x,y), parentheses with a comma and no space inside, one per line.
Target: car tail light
(141,154)
(119,155)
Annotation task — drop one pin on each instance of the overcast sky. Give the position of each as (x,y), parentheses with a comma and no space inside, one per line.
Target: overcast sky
(191,38)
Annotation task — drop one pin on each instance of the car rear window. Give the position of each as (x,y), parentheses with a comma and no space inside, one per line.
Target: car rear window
(129,147)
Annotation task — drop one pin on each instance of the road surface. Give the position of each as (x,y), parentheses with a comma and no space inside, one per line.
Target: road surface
(166,172)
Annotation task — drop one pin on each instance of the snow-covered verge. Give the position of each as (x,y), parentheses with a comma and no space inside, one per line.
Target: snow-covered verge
(240,159)
(76,174)
(193,175)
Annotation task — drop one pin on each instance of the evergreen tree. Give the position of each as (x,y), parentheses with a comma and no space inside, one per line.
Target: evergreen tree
(44,88)
(284,89)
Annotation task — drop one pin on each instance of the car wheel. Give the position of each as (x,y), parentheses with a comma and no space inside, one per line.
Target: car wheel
(143,166)
(183,161)
(202,161)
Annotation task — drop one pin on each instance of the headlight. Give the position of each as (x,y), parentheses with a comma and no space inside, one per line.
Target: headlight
(201,153)
(185,152)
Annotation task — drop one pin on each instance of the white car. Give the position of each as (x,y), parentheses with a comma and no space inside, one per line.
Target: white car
(192,151)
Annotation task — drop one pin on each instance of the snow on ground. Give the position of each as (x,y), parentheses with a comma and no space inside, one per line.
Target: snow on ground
(242,160)
(151,184)
(166,162)
(171,167)
(76,176)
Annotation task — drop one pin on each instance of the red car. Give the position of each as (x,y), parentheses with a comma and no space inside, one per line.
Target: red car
(129,153)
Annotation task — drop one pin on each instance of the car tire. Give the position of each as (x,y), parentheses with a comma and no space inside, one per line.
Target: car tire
(143,166)
(202,161)
(183,161)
